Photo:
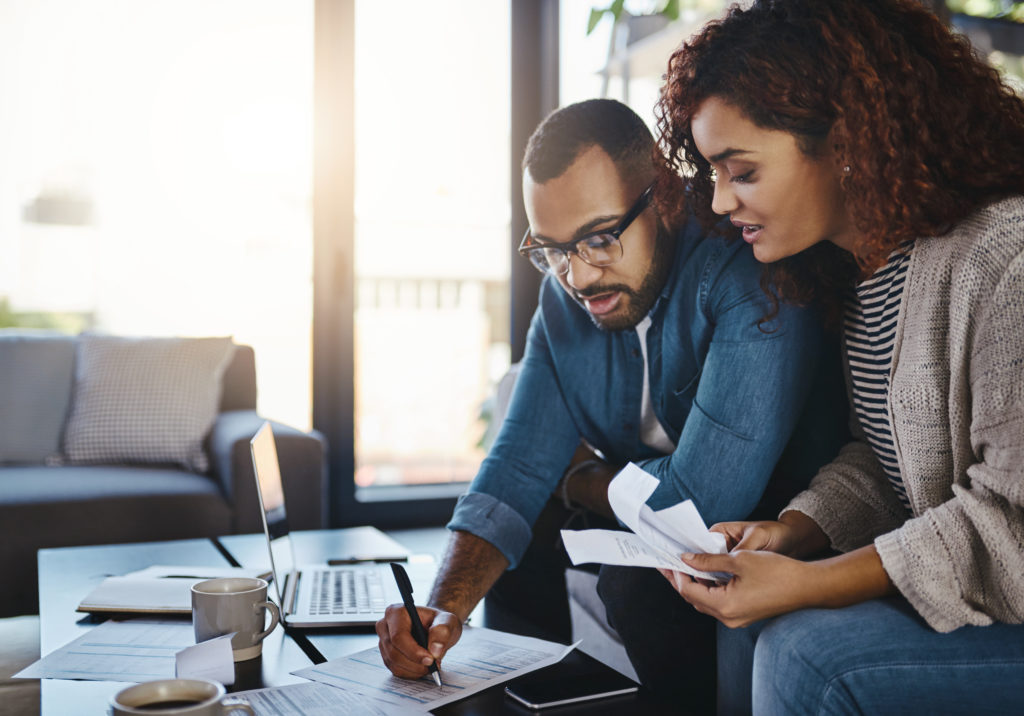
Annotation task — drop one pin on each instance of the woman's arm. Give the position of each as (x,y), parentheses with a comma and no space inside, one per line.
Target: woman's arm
(794,535)
(766,584)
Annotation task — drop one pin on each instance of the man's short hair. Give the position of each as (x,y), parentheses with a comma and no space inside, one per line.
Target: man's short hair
(568,132)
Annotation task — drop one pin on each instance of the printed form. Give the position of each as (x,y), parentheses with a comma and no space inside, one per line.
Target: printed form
(314,699)
(657,538)
(482,658)
(137,650)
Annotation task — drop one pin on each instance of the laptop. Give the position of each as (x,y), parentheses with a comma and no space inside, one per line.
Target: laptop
(319,595)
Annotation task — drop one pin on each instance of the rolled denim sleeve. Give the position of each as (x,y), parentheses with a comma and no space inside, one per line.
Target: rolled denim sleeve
(492,520)
(533,448)
(752,388)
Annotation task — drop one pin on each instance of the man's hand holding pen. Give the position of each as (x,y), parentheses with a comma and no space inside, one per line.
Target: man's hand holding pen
(402,655)
(406,645)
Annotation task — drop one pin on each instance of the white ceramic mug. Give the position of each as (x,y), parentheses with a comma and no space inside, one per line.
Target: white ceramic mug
(234,604)
(176,697)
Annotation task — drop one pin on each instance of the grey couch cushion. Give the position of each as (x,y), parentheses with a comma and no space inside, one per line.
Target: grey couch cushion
(35,385)
(145,400)
(29,484)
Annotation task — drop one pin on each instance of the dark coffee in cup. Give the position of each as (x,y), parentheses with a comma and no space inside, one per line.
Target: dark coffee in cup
(167,705)
(177,697)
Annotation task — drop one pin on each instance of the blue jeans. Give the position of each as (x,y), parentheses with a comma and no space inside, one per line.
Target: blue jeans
(878,657)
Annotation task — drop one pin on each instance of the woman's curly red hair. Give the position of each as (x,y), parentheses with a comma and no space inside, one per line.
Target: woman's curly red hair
(929,130)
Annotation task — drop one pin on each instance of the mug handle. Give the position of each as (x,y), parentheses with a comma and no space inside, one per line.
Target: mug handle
(232,704)
(275,617)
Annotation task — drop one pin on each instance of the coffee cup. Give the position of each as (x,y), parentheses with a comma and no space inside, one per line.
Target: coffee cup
(234,604)
(176,697)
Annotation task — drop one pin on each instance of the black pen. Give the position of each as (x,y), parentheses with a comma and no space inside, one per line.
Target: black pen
(360,559)
(418,632)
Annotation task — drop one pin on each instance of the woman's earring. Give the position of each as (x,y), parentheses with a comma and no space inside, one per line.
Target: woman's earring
(847,169)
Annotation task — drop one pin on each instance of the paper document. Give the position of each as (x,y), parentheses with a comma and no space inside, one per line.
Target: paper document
(211,659)
(481,659)
(137,650)
(160,589)
(658,538)
(315,699)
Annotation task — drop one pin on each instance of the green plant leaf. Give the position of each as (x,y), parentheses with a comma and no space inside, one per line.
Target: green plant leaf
(595,17)
(671,10)
(616,9)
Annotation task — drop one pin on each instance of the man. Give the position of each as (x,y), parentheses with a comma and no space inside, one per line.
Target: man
(648,344)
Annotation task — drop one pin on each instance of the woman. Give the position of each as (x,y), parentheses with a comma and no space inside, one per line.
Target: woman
(875,164)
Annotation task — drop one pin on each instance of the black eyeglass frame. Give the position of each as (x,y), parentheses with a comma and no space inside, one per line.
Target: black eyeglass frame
(529,243)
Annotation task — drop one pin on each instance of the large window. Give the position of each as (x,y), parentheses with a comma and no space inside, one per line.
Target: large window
(431,237)
(160,178)
(157,175)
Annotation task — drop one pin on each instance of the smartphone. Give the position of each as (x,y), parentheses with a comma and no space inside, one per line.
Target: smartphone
(543,689)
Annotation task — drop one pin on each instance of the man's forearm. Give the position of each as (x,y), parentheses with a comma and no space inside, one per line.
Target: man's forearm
(588,487)
(470,567)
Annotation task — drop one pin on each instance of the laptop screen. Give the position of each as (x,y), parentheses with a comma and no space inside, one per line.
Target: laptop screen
(271,494)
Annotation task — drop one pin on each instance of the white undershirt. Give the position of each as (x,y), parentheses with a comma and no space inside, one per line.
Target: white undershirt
(652,433)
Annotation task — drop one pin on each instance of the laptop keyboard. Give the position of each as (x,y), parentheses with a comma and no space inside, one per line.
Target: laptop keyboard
(346,591)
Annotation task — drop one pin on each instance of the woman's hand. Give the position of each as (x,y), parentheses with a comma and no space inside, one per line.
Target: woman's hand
(795,534)
(764,584)
(763,536)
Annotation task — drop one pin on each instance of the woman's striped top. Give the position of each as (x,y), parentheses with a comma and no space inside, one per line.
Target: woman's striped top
(870,327)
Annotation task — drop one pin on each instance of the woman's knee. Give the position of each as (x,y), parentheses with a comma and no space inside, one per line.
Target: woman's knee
(792,664)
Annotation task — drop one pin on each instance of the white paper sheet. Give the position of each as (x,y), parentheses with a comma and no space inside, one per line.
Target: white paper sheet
(616,547)
(482,658)
(137,650)
(658,538)
(210,659)
(316,699)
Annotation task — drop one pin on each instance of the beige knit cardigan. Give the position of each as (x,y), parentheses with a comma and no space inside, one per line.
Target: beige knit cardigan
(956,407)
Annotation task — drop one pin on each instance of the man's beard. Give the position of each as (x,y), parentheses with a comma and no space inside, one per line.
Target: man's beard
(642,299)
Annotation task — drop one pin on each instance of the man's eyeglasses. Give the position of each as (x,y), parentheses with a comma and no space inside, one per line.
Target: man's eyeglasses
(600,248)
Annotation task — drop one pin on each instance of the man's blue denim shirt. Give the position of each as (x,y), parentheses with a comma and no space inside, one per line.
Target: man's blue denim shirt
(727,393)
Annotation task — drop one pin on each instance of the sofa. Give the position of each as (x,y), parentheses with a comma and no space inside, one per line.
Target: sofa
(51,497)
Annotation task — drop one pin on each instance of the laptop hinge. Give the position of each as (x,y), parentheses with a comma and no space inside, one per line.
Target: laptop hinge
(291,593)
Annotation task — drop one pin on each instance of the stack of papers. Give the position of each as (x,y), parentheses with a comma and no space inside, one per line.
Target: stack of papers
(657,538)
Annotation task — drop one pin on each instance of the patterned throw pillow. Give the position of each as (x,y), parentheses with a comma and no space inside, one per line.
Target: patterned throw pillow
(145,400)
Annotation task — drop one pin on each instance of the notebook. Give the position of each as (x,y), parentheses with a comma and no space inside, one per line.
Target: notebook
(318,595)
(160,589)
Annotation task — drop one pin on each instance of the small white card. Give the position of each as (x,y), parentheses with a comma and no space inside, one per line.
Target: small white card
(210,659)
